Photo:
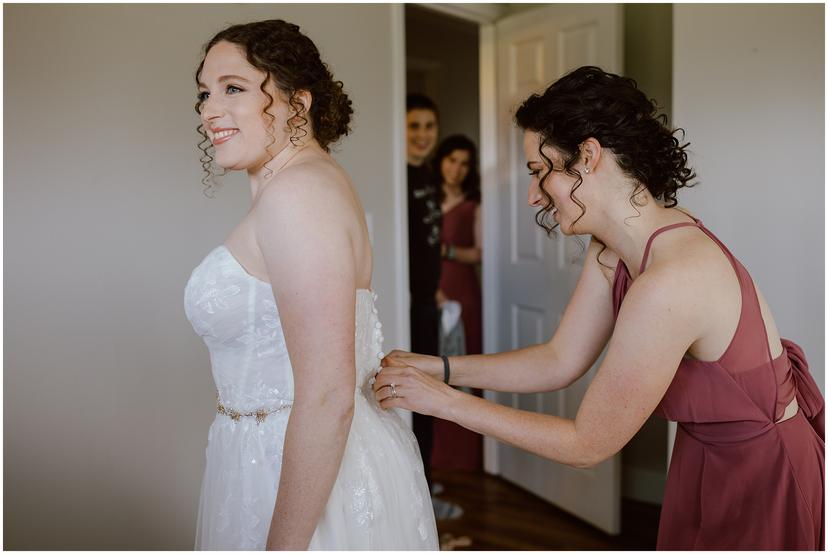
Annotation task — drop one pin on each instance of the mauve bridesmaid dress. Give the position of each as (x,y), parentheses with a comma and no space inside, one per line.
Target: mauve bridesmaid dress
(738,480)
(456,447)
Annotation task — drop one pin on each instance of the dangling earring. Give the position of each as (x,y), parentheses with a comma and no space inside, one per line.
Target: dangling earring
(586,170)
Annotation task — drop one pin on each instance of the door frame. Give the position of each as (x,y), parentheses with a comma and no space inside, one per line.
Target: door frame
(402,298)
(488,187)
(484,15)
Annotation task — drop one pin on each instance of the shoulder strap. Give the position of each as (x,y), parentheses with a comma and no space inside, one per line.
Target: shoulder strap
(750,298)
(658,232)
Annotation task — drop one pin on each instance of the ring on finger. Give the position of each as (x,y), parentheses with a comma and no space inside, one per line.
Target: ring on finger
(393,390)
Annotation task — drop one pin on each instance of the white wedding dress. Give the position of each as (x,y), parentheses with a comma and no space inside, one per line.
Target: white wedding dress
(380,499)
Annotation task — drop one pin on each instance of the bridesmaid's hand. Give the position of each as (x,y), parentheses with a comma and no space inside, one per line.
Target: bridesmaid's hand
(430,365)
(441,298)
(414,391)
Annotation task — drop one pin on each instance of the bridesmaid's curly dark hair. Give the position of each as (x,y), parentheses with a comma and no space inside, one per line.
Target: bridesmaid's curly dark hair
(292,60)
(589,102)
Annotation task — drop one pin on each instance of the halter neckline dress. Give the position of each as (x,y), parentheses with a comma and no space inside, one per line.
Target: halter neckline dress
(738,479)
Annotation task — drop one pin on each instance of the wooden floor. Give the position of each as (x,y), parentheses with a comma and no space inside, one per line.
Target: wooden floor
(501,516)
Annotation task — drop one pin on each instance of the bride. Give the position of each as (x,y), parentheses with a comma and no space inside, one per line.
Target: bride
(287,313)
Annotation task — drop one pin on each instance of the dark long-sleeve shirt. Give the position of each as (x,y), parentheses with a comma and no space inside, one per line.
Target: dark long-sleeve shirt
(424,224)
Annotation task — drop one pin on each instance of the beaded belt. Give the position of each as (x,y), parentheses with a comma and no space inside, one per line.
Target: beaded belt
(260,414)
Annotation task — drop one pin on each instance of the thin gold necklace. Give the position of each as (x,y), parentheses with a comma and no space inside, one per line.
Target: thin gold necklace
(274,173)
(281,167)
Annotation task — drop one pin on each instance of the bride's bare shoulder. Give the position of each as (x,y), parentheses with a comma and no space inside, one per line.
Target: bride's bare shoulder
(314,181)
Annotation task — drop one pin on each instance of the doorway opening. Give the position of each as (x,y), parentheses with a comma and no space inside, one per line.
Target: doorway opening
(443,61)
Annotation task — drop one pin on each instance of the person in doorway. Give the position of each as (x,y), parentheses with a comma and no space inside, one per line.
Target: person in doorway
(424,224)
(687,334)
(455,164)
(299,455)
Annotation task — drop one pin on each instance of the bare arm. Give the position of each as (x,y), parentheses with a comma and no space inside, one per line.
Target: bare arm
(440,297)
(653,332)
(472,254)
(311,266)
(584,330)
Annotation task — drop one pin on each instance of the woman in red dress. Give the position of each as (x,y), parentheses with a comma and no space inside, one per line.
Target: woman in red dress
(455,162)
(687,334)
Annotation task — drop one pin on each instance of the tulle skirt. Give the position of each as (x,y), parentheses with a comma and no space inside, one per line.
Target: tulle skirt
(380,499)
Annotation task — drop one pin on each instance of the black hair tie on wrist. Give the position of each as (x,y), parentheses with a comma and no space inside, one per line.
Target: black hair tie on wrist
(446,371)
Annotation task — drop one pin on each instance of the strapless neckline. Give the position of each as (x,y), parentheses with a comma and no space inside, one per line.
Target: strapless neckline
(238,264)
(379,499)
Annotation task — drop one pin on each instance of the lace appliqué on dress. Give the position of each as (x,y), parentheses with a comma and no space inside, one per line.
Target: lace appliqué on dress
(264,336)
(379,500)
(366,501)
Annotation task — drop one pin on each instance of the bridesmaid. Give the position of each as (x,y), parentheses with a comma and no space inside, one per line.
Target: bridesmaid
(687,334)
(455,162)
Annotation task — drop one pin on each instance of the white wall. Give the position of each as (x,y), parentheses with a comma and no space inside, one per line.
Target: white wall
(108,393)
(748,86)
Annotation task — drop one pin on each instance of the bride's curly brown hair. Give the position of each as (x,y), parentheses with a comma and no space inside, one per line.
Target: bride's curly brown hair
(589,102)
(292,61)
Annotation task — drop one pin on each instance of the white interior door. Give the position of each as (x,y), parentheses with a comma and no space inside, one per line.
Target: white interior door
(536,274)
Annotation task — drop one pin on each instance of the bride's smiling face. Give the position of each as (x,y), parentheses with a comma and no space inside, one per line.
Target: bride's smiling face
(232,109)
